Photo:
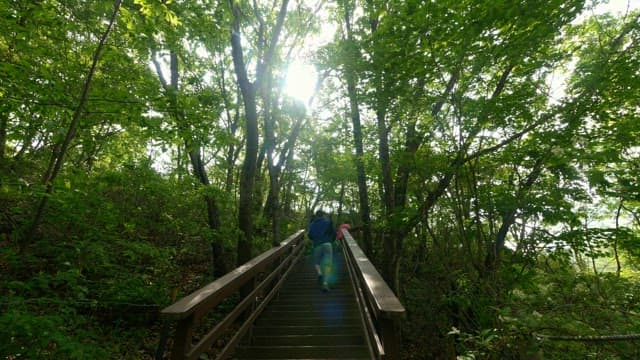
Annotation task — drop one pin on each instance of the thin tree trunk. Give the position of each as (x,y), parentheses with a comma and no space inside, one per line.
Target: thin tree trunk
(592,256)
(461,156)
(272,209)
(391,257)
(340,203)
(615,241)
(258,185)
(273,197)
(363,195)
(248,89)
(287,199)
(213,214)
(197,164)
(4,120)
(179,161)
(229,161)
(57,157)
(231,150)
(391,240)
(508,219)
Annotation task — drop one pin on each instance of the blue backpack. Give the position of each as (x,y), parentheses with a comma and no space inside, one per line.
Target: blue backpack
(320,231)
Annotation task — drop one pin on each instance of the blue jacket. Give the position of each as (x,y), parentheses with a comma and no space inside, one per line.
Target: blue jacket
(321,231)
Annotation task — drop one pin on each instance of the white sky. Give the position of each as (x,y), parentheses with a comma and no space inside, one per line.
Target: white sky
(301,80)
(557,80)
(617,7)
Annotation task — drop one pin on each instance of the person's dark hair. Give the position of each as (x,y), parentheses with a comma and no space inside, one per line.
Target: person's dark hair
(320,213)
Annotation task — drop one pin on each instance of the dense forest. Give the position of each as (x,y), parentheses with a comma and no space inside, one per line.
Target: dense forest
(488,151)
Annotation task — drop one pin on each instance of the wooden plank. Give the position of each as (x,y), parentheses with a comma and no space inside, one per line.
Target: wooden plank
(216,291)
(373,339)
(385,301)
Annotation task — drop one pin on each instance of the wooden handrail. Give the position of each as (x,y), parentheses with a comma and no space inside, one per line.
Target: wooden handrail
(380,307)
(189,310)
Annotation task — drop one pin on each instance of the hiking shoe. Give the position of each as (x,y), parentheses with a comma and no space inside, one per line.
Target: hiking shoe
(325,287)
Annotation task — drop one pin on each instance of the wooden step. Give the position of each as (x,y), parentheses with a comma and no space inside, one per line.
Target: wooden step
(316,296)
(326,311)
(308,340)
(315,291)
(312,285)
(302,352)
(351,311)
(318,311)
(267,330)
(327,320)
(320,306)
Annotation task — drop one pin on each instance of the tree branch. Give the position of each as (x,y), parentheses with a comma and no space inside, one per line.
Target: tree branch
(158,68)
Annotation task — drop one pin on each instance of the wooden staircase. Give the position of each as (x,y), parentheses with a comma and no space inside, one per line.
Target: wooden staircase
(304,322)
(281,312)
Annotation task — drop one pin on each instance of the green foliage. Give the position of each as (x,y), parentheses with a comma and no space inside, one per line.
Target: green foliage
(569,304)
(108,261)
(505,192)
(33,335)
(474,346)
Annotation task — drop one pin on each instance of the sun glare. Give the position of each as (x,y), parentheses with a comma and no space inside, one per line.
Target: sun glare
(300,81)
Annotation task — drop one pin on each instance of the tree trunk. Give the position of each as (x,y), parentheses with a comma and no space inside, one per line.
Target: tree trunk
(213,215)
(195,158)
(508,219)
(232,126)
(273,197)
(340,204)
(273,210)
(287,199)
(4,120)
(57,157)
(391,257)
(363,195)
(232,154)
(391,239)
(248,89)
(615,240)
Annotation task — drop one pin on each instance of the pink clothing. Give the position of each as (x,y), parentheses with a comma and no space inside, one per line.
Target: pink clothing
(342,226)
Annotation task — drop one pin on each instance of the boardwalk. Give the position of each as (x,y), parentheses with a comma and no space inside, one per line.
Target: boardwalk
(306,323)
(286,315)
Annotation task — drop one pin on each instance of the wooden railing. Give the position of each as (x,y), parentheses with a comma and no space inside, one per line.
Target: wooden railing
(264,274)
(379,306)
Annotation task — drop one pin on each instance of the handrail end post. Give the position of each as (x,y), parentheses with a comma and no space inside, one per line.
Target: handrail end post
(390,333)
(183,337)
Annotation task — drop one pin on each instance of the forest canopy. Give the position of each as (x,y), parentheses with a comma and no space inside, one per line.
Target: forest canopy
(488,152)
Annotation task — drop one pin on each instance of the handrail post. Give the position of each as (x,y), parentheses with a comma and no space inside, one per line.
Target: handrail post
(184,334)
(390,333)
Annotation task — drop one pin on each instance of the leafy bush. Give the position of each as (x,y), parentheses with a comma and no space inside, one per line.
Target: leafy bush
(105,263)
(30,335)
